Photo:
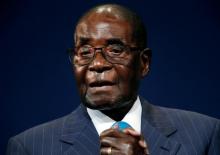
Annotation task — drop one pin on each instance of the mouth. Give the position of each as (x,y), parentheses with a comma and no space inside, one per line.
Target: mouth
(101,84)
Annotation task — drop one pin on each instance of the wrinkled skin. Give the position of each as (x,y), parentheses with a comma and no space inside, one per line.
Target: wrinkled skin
(117,97)
(98,30)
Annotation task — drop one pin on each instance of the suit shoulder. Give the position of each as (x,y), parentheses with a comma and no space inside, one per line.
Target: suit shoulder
(188,119)
(177,117)
(184,114)
(44,137)
(52,128)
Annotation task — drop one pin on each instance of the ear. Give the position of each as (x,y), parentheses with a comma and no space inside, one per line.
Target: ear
(145,59)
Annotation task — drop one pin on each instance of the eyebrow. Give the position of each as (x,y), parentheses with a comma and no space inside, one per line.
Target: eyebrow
(114,41)
(111,41)
(83,40)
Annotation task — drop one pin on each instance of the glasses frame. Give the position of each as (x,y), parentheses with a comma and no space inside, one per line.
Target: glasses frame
(72,52)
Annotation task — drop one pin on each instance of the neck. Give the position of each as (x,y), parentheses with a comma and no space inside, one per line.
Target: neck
(118,114)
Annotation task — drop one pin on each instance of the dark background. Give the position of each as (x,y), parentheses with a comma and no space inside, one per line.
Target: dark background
(36,80)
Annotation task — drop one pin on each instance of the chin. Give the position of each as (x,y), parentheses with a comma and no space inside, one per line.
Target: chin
(99,103)
(105,102)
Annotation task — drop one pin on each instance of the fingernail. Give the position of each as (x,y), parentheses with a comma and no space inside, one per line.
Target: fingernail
(145,144)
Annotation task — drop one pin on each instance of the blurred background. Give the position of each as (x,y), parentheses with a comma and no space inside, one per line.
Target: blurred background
(36,80)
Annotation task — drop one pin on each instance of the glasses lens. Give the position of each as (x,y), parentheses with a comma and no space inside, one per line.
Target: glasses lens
(83,55)
(85,52)
(116,54)
(115,51)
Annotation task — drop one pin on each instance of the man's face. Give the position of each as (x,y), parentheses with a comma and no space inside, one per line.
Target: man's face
(104,85)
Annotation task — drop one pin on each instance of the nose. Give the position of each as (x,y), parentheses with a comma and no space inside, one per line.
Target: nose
(99,63)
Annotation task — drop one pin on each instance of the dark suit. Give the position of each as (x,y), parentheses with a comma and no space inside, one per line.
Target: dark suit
(167,131)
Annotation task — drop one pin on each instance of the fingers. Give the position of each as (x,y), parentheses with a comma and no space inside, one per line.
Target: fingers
(116,133)
(131,132)
(141,142)
(108,151)
(116,141)
(109,142)
(112,133)
(119,141)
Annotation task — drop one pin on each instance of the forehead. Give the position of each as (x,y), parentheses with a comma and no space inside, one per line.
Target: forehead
(103,27)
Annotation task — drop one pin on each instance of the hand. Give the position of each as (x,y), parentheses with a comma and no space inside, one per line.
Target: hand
(128,142)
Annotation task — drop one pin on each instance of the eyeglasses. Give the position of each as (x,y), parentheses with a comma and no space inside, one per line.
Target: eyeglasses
(115,54)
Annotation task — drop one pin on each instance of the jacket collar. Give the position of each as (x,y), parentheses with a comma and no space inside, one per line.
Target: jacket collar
(158,129)
(157,117)
(79,132)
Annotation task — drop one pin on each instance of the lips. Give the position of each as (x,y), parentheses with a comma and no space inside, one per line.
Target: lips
(101,83)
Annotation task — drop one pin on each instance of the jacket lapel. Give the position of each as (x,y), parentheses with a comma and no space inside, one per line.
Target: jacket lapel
(157,130)
(79,135)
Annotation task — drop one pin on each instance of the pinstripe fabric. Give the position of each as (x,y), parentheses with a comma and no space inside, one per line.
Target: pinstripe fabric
(167,131)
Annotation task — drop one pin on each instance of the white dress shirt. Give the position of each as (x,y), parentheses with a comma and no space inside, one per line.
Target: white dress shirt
(103,122)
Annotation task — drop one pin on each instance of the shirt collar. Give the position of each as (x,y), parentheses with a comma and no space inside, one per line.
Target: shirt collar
(103,122)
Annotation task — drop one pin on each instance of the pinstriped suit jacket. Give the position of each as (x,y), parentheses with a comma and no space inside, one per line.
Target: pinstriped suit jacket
(167,132)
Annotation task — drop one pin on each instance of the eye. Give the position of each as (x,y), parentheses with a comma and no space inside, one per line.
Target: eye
(115,49)
(85,51)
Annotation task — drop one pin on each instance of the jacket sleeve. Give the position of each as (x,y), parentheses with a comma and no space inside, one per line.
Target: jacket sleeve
(15,147)
(214,147)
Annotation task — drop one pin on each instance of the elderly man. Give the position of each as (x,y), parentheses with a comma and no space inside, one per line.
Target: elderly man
(109,60)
